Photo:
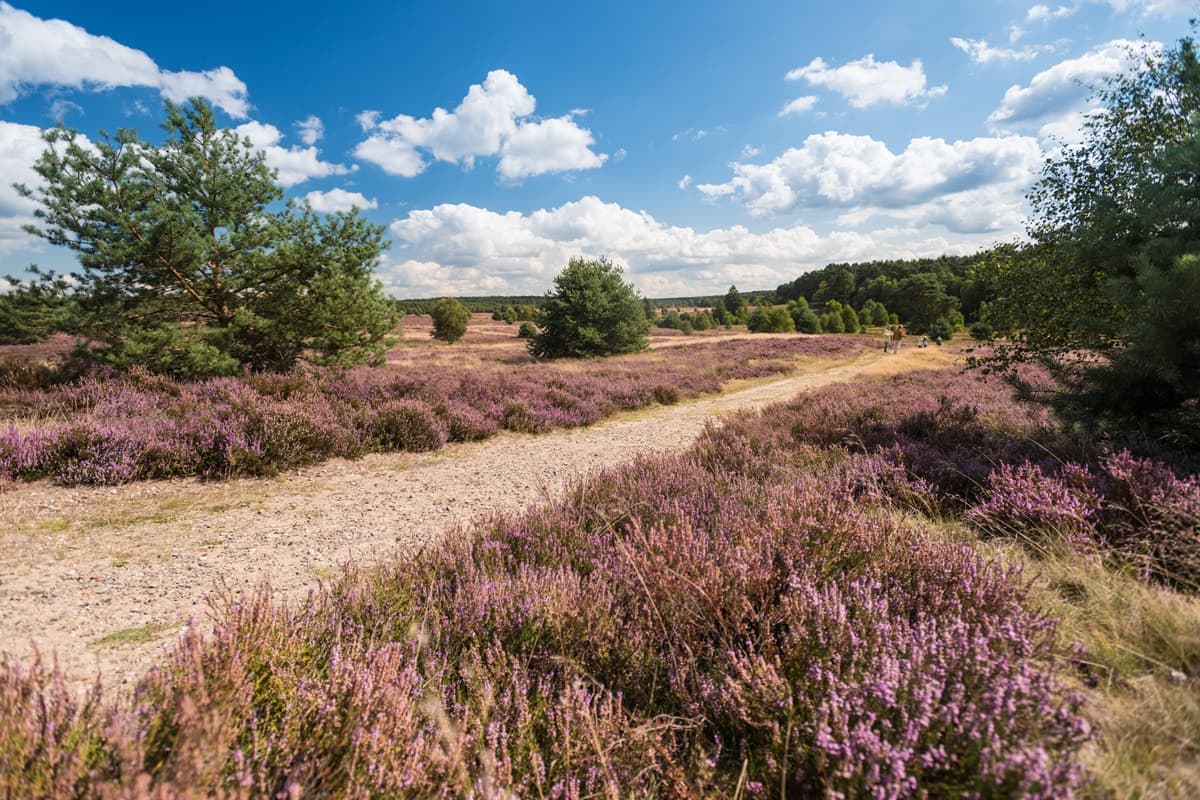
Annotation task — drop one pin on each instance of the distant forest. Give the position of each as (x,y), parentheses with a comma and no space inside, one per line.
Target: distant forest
(906,286)
(475,304)
(754,298)
(957,288)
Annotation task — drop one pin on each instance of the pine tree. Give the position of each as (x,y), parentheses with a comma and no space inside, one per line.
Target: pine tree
(591,312)
(185,267)
(450,318)
(736,305)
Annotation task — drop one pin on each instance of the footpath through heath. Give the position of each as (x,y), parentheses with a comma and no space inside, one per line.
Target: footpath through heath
(105,577)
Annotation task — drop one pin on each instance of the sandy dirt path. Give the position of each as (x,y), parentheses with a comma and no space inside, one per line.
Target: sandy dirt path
(105,577)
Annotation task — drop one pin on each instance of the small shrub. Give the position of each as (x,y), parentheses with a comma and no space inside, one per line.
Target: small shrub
(527,330)
(518,417)
(665,395)
(850,319)
(24,455)
(1022,500)
(982,331)
(831,322)
(804,318)
(225,442)
(297,435)
(1151,517)
(450,318)
(54,736)
(83,454)
(941,328)
(464,423)
(771,319)
(408,425)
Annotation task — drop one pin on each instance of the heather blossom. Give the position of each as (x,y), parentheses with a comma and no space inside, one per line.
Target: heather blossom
(109,428)
(742,618)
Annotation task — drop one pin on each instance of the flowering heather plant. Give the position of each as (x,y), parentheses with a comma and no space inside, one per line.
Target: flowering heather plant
(406,425)
(22,454)
(93,454)
(1137,509)
(947,431)
(740,619)
(109,427)
(946,441)
(1151,517)
(1023,500)
(51,738)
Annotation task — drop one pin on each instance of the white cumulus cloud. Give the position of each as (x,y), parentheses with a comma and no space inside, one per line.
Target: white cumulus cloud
(495,118)
(295,164)
(1055,100)
(464,249)
(52,52)
(310,129)
(1042,12)
(983,53)
(800,104)
(338,200)
(970,186)
(20,148)
(552,145)
(866,81)
(220,86)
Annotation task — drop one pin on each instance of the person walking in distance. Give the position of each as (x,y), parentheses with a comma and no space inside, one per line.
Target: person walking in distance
(887,337)
(897,335)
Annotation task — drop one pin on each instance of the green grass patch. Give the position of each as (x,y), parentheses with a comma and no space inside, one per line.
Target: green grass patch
(126,637)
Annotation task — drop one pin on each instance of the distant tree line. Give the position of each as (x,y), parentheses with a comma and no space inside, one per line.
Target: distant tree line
(476,305)
(33,311)
(928,295)
(727,310)
(754,297)
(515,313)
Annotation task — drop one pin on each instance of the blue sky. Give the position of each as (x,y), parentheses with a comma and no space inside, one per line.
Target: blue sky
(697,143)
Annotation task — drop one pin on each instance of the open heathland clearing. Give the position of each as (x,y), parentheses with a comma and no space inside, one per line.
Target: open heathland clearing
(82,563)
(908,583)
(107,427)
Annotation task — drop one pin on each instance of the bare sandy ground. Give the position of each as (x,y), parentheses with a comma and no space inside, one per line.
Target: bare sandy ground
(106,577)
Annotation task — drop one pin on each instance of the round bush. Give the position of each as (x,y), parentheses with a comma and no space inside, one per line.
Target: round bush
(407,425)
(982,331)
(941,328)
(771,319)
(450,319)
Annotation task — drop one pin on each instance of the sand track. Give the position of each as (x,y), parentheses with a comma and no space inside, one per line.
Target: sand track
(105,577)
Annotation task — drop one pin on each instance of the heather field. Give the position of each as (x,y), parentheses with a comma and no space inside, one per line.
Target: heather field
(103,427)
(920,522)
(903,587)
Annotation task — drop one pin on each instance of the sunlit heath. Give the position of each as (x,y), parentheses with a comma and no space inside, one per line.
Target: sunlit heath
(632,401)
